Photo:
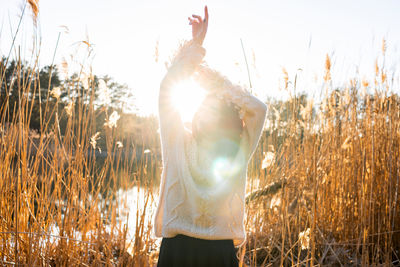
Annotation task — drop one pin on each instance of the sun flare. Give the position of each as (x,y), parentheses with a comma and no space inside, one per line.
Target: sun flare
(187,96)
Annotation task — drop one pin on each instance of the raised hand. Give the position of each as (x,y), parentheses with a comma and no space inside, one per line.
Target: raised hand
(199,26)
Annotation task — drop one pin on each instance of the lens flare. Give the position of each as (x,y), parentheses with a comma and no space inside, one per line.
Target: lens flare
(220,169)
(226,169)
(187,96)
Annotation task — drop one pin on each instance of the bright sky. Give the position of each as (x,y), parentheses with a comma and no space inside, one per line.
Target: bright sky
(292,34)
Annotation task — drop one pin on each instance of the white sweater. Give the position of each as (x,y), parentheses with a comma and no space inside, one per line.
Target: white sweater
(199,198)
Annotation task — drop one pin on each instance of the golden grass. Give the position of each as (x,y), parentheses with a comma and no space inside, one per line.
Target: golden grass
(340,170)
(328,193)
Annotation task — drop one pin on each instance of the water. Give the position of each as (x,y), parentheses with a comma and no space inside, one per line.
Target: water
(134,210)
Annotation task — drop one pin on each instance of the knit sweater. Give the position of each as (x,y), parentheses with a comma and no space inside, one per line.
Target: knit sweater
(199,197)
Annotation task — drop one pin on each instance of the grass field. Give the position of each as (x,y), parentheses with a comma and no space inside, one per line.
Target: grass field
(323,185)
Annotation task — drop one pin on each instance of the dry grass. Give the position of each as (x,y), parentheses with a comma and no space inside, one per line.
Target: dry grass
(58,206)
(333,169)
(341,172)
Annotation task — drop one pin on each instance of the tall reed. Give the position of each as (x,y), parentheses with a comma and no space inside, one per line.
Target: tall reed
(58,205)
(339,169)
(323,184)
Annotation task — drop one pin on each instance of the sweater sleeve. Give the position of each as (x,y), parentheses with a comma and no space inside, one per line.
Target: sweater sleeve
(182,67)
(251,110)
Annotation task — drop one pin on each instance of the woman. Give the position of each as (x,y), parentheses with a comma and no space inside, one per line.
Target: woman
(201,205)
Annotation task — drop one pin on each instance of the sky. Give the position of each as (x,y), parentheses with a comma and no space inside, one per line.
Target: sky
(294,34)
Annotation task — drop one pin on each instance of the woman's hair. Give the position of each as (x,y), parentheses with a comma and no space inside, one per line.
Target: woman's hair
(218,122)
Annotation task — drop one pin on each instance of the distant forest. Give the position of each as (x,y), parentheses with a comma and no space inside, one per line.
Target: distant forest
(55,96)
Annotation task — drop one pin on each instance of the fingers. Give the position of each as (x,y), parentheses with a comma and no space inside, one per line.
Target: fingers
(200,20)
(199,26)
(192,21)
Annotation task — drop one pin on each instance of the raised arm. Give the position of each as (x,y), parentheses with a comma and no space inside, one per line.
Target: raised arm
(252,111)
(183,65)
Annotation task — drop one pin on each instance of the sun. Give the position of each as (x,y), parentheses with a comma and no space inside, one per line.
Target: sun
(187,96)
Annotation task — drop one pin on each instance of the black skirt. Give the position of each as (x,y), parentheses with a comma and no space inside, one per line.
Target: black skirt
(186,251)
